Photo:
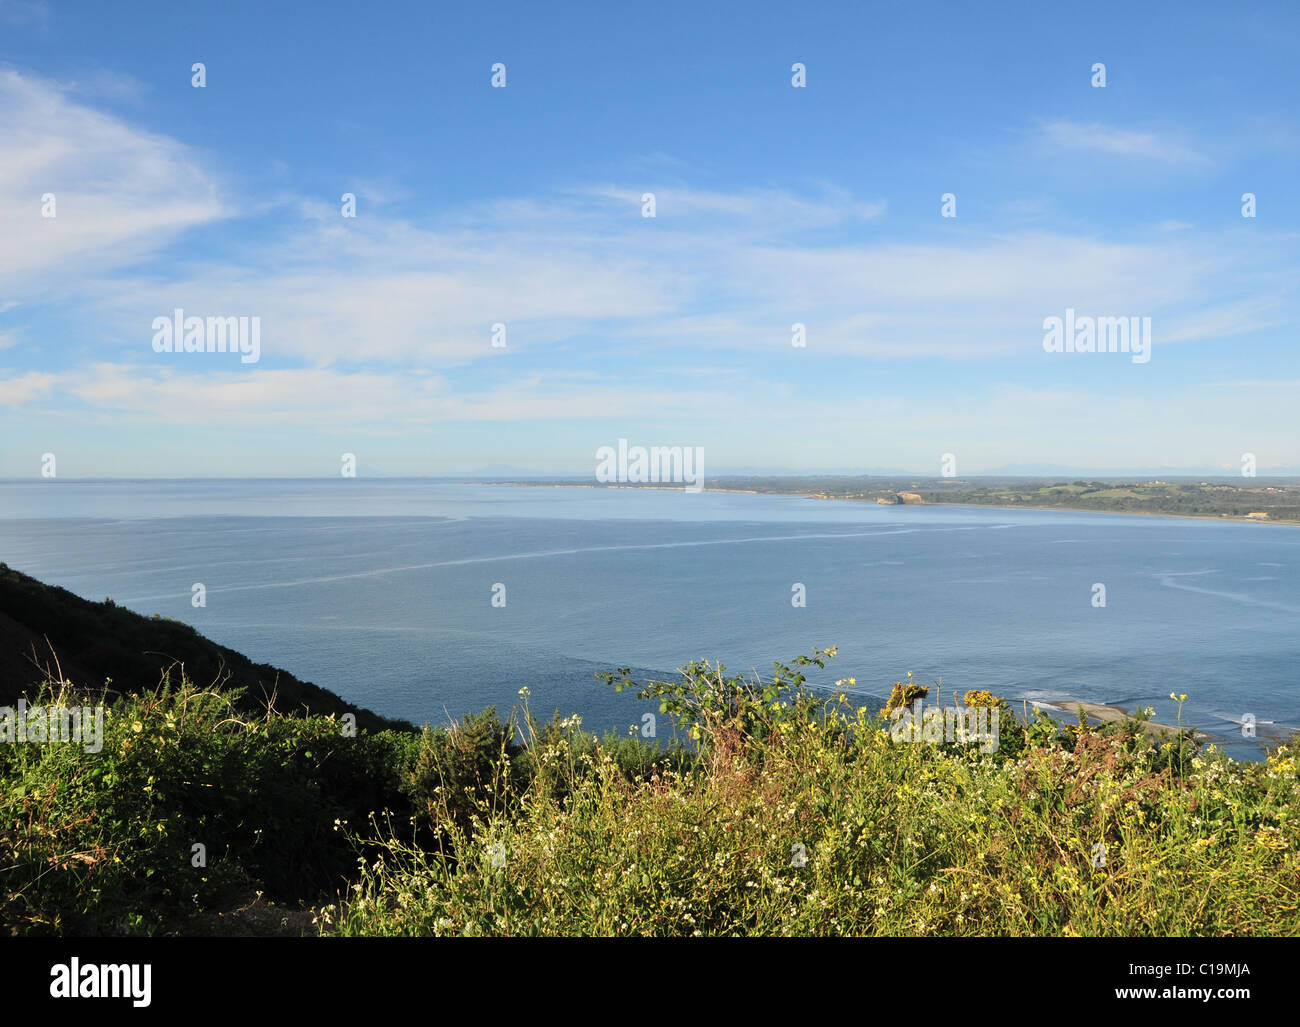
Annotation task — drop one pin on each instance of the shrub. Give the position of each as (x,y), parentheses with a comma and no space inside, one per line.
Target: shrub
(801,817)
(102,842)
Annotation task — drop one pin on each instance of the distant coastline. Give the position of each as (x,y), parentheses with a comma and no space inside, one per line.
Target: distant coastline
(804,493)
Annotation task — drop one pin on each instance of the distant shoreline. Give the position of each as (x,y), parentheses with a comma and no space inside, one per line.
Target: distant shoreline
(1218,518)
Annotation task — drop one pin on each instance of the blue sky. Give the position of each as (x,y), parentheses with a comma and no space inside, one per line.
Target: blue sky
(522,205)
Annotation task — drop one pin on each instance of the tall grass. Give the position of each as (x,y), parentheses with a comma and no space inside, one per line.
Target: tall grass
(800,816)
(104,842)
(784,810)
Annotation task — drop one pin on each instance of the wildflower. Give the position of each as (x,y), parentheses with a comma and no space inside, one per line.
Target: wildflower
(1270,840)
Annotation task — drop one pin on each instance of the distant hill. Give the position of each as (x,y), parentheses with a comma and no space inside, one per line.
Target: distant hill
(45,629)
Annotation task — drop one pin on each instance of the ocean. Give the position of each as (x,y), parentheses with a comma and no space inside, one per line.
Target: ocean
(382,591)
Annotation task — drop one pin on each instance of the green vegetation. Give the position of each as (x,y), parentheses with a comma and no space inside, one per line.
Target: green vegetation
(1224,498)
(800,817)
(102,842)
(782,812)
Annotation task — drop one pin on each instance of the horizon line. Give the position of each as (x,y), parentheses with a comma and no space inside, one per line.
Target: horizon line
(489,479)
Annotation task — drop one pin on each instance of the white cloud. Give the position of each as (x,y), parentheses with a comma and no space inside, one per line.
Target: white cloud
(713,270)
(120,192)
(748,210)
(26,388)
(190,394)
(379,291)
(373,321)
(1119,142)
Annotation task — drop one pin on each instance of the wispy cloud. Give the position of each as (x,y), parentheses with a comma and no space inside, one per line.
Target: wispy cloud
(23,389)
(383,291)
(332,398)
(385,320)
(1119,142)
(119,193)
(749,210)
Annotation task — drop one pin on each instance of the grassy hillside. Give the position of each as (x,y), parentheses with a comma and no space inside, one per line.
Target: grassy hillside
(803,816)
(45,630)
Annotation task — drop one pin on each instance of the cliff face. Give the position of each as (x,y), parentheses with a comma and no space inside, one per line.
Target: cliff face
(46,630)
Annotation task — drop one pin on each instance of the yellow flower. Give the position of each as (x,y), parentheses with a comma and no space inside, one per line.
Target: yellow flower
(1271,841)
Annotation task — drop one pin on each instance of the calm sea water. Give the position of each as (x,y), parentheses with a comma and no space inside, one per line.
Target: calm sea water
(381,591)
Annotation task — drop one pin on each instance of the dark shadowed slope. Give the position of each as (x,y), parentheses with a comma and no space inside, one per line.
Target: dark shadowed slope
(95,643)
